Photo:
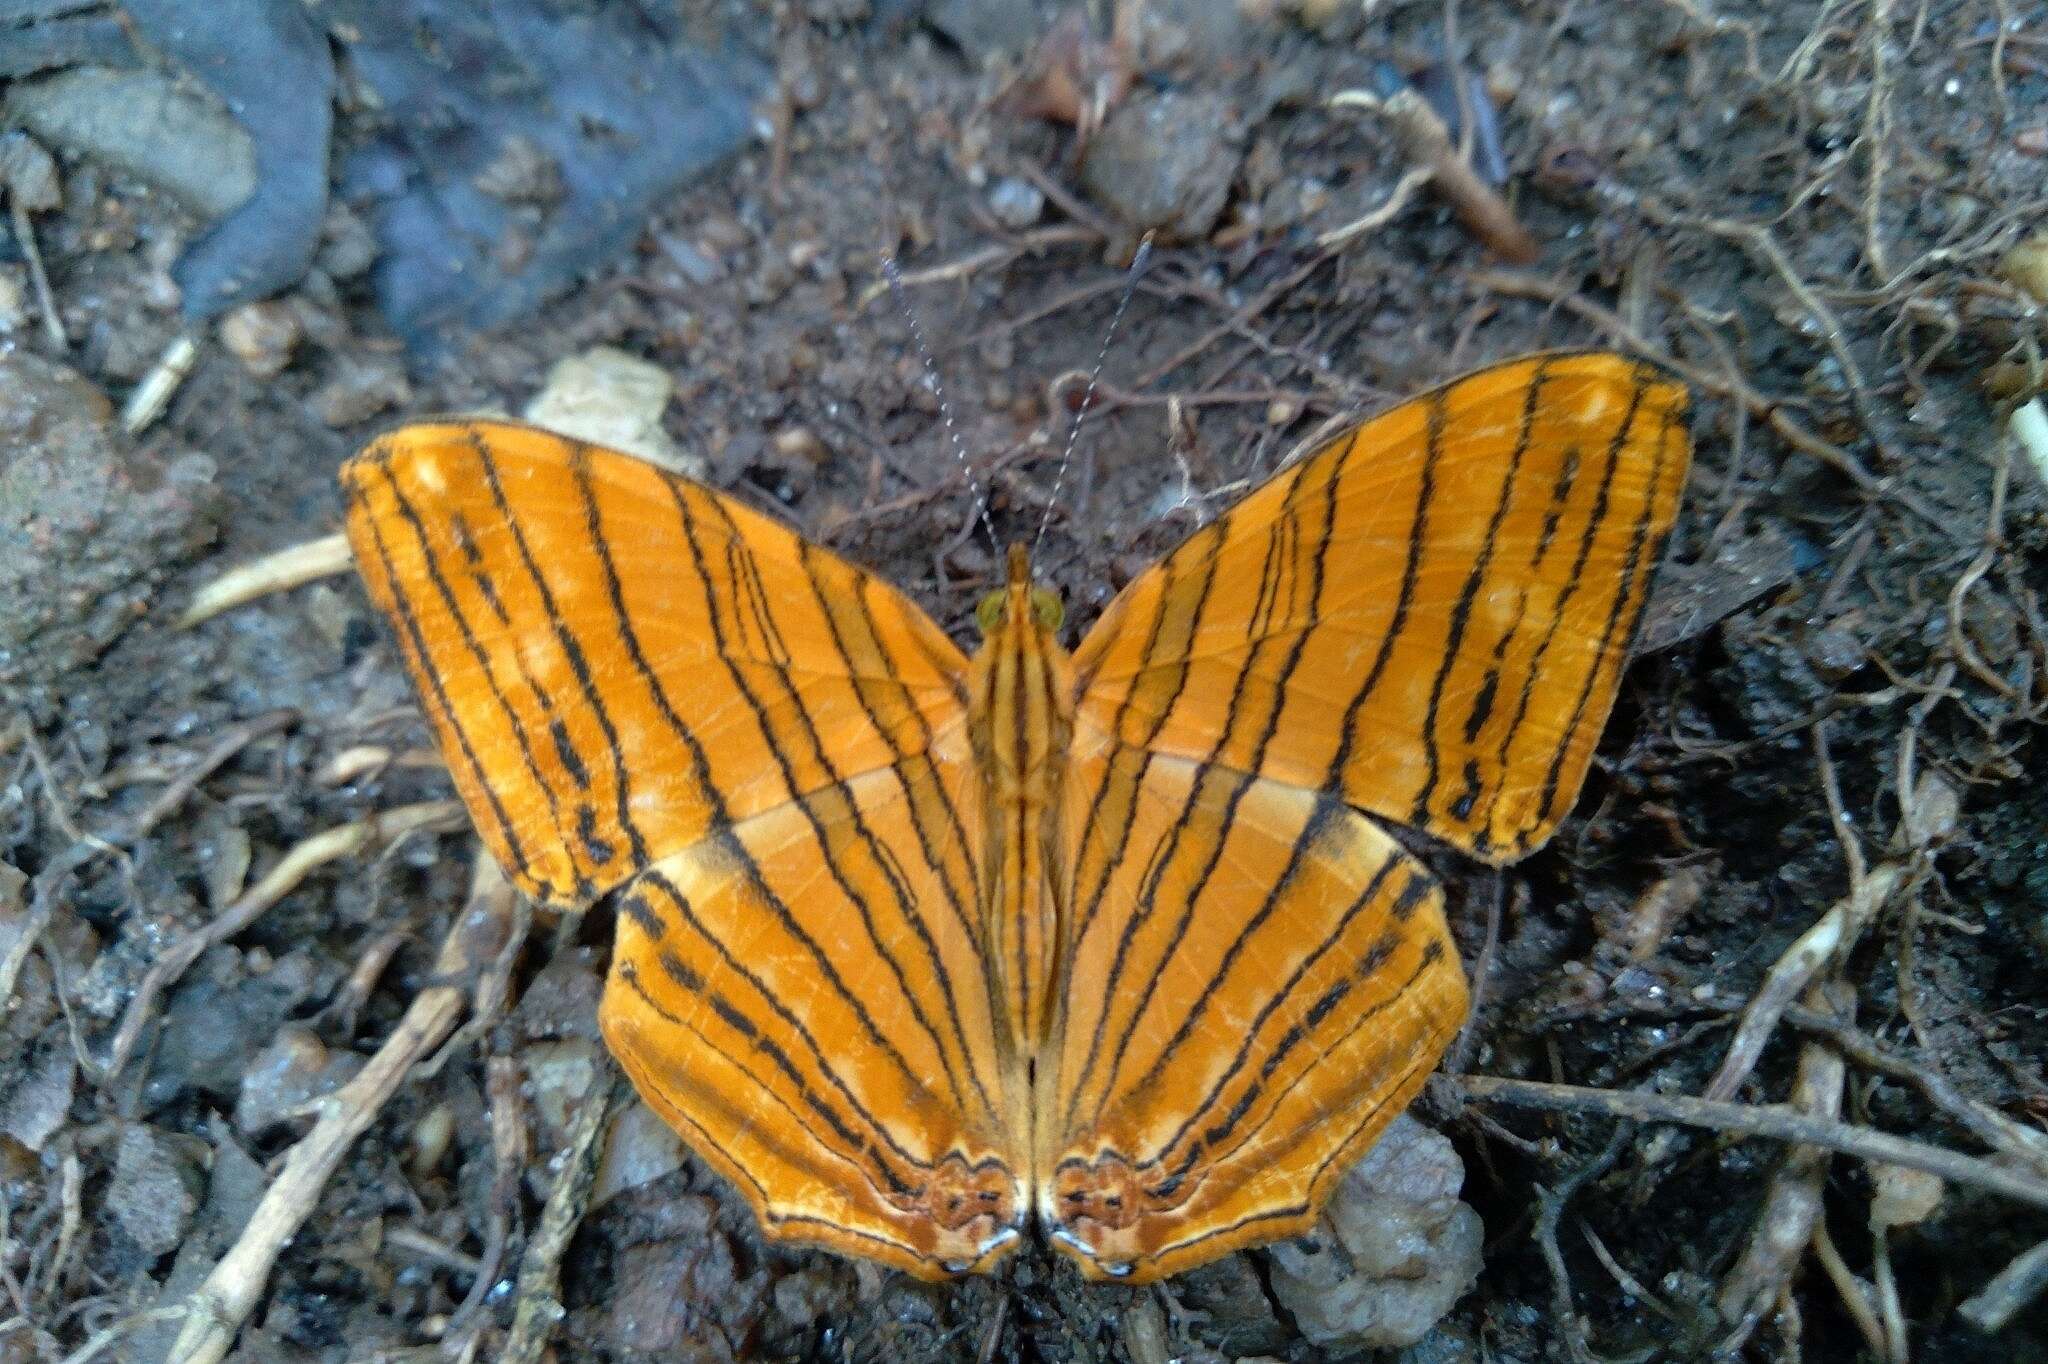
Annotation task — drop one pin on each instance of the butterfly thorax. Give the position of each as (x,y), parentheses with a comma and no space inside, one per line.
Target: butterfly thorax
(1020,715)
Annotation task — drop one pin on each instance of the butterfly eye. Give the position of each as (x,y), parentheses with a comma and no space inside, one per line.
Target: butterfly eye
(989,612)
(1047,608)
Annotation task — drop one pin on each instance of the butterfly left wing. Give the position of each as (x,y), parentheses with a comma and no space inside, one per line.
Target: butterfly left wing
(642,686)
(1429,616)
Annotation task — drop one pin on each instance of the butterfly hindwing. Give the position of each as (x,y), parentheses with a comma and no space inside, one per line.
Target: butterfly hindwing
(820,1029)
(1286,983)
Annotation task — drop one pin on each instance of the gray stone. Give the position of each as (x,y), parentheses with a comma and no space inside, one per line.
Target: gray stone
(1395,1247)
(36,1089)
(145,124)
(86,526)
(292,1071)
(1165,162)
(155,1189)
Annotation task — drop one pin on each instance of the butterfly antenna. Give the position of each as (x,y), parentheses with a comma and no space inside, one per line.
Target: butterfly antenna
(1094,378)
(931,377)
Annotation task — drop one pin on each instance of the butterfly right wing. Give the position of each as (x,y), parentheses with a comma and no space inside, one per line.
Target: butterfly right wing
(1282,981)
(1425,620)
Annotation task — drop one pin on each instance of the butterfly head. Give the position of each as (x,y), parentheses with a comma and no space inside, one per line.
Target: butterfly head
(1019,601)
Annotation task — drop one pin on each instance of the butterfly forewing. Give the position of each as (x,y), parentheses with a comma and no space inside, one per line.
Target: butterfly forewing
(617,660)
(1428,616)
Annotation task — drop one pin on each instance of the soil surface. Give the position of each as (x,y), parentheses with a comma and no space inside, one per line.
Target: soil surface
(1821,214)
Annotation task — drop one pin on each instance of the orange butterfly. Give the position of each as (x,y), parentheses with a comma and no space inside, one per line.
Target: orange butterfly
(919,950)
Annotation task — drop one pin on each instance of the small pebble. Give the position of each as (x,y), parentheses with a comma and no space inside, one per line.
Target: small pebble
(800,442)
(610,398)
(154,125)
(2026,265)
(640,1149)
(348,246)
(1165,162)
(682,253)
(431,1137)
(262,336)
(806,253)
(559,1077)
(522,172)
(156,1188)
(36,1088)
(360,389)
(14,306)
(1016,203)
(29,172)
(1394,1250)
(293,1070)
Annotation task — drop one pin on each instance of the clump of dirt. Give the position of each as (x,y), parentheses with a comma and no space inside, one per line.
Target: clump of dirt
(1806,879)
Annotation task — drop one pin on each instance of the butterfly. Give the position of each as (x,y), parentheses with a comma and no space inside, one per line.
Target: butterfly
(923,951)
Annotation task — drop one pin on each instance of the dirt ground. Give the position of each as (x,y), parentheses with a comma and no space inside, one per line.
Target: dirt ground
(1832,731)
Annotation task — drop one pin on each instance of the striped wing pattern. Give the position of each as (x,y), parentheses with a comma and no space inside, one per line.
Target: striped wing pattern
(833,844)
(1269,979)
(1425,620)
(1429,615)
(564,608)
(807,1044)
(639,682)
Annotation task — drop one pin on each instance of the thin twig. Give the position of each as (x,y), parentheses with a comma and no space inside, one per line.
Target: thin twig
(1981,1120)
(1783,1226)
(1761,1120)
(1428,144)
(230,1292)
(1830,936)
(539,1304)
(508,1163)
(1849,1289)
(1760,241)
(106,1336)
(1405,189)
(1550,1206)
(46,299)
(236,738)
(2018,1284)
(1272,294)
(288,568)
(981,258)
(152,395)
(300,862)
